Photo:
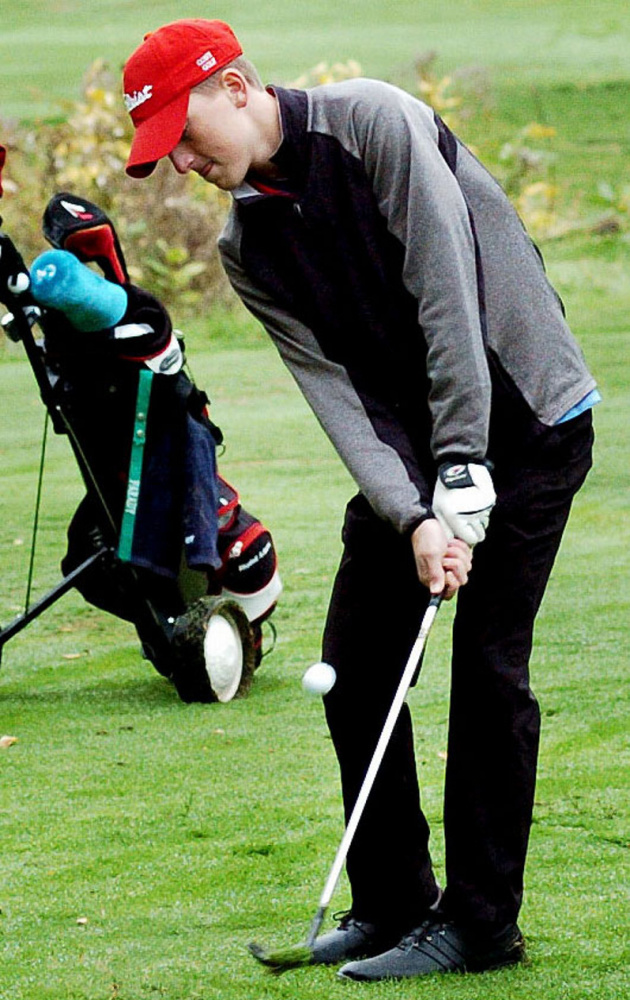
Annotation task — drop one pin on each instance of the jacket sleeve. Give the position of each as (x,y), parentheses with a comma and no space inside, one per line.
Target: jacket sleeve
(396,137)
(376,467)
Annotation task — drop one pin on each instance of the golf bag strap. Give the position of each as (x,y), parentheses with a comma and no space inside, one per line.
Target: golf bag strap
(125,542)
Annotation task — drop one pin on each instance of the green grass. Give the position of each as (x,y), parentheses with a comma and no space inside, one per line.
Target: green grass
(45,46)
(179,833)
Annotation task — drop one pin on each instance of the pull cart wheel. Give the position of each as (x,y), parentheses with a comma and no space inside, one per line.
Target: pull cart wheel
(214,651)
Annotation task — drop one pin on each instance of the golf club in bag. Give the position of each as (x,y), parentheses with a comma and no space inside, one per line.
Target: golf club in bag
(160,538)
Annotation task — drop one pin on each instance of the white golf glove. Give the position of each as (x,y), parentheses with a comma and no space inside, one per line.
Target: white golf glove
(462,501)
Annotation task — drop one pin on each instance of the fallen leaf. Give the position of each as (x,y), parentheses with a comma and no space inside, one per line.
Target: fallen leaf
(82,921)
(72,656)
(7,741)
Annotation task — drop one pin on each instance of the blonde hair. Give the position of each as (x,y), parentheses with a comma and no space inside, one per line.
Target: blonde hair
(243,65)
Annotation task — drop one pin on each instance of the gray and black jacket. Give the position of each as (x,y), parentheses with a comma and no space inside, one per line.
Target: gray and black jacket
(400,289)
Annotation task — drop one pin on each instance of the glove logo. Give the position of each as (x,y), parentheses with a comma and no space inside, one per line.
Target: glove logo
(456,476)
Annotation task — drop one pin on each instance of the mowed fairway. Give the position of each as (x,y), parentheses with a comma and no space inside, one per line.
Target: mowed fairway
(145,842)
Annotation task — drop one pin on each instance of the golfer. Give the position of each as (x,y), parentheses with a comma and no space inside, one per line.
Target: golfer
(408,302)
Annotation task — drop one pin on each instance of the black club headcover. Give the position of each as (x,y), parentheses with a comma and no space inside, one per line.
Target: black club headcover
(81,227)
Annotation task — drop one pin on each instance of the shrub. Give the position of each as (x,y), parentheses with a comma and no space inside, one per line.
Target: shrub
(168,227)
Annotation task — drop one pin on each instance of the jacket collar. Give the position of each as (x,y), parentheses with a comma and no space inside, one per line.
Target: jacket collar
(291,155)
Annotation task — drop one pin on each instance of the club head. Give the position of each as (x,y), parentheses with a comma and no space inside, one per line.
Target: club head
(81,227)
(293,957)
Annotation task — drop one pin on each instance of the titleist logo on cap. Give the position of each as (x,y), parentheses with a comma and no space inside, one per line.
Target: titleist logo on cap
(138,97)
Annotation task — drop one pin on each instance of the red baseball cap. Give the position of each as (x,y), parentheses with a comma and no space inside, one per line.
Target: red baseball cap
(158,78)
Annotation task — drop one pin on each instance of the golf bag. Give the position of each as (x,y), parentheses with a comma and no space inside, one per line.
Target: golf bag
(160,538)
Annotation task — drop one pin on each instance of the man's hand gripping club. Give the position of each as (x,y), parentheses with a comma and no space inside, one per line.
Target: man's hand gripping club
(443,566)
(462,501)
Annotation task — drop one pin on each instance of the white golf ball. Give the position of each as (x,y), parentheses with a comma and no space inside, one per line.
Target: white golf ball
(319,678)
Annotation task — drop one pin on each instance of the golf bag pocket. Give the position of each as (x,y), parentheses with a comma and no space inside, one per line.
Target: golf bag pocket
(229,505)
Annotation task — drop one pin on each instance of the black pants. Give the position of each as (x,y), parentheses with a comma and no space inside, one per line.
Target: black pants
(494,723)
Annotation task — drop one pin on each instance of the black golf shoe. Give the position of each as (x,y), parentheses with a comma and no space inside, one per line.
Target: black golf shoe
(351,939)
(439,947)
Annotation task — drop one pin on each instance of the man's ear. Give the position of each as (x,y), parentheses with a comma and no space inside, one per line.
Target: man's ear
(236,86)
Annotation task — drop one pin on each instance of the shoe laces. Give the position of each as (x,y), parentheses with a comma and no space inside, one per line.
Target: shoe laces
(343,917)
(419,934)
(347,919)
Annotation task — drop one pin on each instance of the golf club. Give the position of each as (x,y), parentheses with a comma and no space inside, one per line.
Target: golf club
(298,955)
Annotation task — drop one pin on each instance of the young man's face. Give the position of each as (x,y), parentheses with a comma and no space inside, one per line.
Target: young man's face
(218,142)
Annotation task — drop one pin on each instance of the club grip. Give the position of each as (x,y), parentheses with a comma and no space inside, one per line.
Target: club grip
(62,282)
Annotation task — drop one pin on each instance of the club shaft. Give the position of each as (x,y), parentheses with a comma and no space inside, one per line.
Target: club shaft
(316,925)
(379,753)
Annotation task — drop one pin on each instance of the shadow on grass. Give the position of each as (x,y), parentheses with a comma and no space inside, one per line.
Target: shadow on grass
(146,690)
(110,693)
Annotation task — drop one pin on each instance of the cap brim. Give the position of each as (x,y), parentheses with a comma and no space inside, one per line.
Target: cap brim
(157,136)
